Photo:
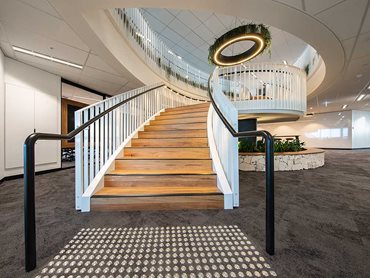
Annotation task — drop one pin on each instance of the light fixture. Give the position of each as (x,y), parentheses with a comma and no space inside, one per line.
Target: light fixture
(368,87)
(285,62)
(46,57)
(361,97)
(256,49)
(344,106)
(180,58)
(169,51)
(340,113)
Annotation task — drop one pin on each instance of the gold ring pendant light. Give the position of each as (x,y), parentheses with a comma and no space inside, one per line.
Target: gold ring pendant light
(260,40)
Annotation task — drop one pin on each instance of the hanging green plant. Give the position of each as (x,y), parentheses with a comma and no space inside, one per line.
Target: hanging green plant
(258,33)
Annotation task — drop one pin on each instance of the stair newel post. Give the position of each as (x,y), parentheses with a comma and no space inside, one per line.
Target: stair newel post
(269,163)
(29,202)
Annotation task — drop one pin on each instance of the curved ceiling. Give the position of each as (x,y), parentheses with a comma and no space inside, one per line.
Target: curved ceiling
(338,29)
(289,18)
(190,33)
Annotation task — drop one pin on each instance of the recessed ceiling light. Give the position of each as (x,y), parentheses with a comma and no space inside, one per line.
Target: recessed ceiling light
(344,106)
(285,62)
(46,57)
(368,87)
(340,113)
(361,97)
(359,75)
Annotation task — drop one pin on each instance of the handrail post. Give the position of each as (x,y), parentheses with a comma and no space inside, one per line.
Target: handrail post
(270,217)
(29,203)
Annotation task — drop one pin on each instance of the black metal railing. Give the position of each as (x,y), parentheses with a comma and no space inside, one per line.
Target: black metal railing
(269,169)
(29,176)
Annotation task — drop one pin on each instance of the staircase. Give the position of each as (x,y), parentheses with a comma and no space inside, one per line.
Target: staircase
(167,167)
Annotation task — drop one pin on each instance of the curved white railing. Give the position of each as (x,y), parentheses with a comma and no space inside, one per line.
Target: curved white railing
(97,146)
(161,59)
(264,87)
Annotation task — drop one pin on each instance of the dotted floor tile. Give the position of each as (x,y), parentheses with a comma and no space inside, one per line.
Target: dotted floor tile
(178,252)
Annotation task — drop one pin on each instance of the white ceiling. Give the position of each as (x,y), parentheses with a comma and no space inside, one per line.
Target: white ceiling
(35,25)
(190,33)
(349,20)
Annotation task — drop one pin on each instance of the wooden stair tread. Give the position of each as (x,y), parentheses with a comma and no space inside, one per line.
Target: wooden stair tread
(193,133)
(158,203)
(169,142)
(164,116)
(189,107)
(182,120)
(184,111)
(160,180)
(166,152)
(160,172)
(156,190)
(188,126)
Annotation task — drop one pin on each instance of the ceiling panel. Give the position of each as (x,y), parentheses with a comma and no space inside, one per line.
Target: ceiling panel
(215,25)
(189,18)
(195,39)
(362,46)
(316,6)
(162,15)
(96,62)
(178,27)
(155,24)
(49,66)
(42,5)
(172,35)
(29,18)
(204,32)
(103,76)
(345,18)
(29,40)
(293,3)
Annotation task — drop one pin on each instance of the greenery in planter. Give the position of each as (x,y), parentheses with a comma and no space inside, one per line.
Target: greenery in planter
(239,31)
(279,146)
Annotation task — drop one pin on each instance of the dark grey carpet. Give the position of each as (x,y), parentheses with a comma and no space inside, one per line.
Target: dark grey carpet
(322,216)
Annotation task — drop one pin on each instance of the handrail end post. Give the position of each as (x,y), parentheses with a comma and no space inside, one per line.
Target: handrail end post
(29,203)
(270,202)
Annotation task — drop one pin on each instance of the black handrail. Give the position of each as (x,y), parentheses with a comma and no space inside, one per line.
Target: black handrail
(29,177)
(269,169)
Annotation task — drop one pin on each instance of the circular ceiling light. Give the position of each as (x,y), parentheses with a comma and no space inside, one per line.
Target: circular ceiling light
(258,34)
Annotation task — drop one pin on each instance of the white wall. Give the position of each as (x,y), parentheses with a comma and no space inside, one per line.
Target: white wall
(2,115)
(360,129)
(327,130)
(32,101)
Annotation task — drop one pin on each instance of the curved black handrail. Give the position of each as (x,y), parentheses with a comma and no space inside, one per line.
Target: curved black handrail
(269,166)
(29,176)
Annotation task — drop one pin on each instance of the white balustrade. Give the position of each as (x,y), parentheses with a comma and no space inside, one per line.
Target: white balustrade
(264,88)
(154,52)
(223,146)
(96,145)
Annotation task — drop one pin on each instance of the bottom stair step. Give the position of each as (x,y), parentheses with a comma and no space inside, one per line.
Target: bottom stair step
(179,202)
(156,191)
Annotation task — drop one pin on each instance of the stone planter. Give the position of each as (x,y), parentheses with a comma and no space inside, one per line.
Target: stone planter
(289,161)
